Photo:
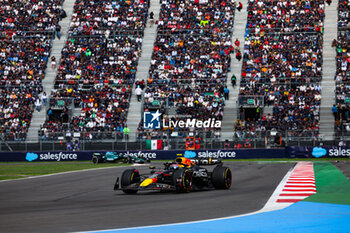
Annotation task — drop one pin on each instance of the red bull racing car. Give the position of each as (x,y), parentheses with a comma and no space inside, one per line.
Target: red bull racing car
(183,175)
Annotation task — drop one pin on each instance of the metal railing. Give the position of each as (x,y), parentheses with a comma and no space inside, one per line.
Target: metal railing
(101,33)
(284,30)
(178,143)
(70,135)
(28,34)
(344,28)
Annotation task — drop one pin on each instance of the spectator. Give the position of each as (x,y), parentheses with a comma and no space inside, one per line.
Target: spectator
(341,143)
(237,43)
(44,98)
(49,113)
(240,6)
(238,55)
(226,91)
(69,146)
(233,80)
(63,14)
(138,93)
(247,144)
(237,146)
(335,111)
(126,132)
(58,31)
(227,144)
(334,43)
(76,146)
(151,17)
(38,104)
(53,62)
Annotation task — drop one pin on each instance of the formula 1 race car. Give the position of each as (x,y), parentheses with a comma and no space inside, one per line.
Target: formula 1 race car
(114,157)
(183,175)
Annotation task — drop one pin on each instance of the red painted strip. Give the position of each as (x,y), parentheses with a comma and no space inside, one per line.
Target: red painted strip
(306,174)
(302,171)
(299,190)
(305,182)
(301,179)
(295,194)
(302,176)
(300,186)
(288,200)
(293,190)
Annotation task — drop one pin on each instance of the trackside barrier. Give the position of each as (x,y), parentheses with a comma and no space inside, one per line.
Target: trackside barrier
(148,154)
(318,152)
(288,152)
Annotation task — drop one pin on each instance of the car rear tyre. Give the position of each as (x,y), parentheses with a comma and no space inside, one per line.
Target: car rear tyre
(129,177)
(221,178)
(182,180)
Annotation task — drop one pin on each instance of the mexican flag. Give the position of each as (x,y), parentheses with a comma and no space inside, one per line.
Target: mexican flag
(154,144)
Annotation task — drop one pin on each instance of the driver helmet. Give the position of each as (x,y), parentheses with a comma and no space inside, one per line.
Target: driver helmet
(174,166)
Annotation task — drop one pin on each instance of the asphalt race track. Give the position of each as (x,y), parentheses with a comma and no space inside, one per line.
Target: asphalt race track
(85,201)
(344,167)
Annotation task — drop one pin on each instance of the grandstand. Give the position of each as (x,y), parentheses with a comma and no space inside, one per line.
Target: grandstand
(27,30)
(290,74)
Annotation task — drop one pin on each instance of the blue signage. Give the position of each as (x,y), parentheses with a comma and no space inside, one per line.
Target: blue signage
(152,120)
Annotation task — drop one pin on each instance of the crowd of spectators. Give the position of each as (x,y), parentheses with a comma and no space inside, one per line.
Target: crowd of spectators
(22,63)
(18,17)
(26,29)
(190,60)
(341,110)
(283,65)
(344,14)
(97,68)
(104,17)
(285,16)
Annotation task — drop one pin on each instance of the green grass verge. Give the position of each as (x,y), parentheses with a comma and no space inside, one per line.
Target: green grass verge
(332,185)
(20,170)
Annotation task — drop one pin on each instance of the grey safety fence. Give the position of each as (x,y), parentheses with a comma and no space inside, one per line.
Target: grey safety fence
(67,141)
(215,143)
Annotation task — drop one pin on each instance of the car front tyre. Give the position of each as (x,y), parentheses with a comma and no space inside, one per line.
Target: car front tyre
(182,180)
(221,178)
(129,176)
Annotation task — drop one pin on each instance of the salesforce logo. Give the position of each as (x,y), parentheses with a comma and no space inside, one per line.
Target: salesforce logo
(31,157)
(319,152)
(190,154)
(51,156)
